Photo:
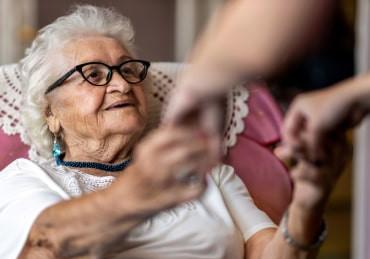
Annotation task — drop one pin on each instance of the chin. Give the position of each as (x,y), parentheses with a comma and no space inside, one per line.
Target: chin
(129,127)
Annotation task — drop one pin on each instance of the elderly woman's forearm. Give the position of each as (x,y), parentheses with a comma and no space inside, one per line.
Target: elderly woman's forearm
(303,226)
(85,226)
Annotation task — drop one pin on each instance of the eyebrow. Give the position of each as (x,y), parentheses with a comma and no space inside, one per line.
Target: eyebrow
(120,58)
(124,58)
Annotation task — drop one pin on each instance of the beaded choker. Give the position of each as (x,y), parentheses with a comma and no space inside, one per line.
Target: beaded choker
(100,166)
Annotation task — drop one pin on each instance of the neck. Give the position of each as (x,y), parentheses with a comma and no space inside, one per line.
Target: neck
(111,150)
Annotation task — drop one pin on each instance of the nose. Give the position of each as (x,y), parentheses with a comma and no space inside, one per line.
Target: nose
(117,83)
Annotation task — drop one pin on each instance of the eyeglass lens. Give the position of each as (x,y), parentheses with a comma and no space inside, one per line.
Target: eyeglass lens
(100,74)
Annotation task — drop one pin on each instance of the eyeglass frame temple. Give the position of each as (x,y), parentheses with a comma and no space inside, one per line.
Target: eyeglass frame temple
(61,80)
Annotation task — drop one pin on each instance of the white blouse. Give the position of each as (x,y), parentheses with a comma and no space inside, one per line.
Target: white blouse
(216,226)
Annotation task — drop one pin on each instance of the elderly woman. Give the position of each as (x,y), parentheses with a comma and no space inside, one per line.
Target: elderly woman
(108,192)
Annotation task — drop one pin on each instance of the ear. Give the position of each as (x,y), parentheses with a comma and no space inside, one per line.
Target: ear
(51,120)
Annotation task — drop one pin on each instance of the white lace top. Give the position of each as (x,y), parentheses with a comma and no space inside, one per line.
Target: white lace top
(74,181)
(214,227)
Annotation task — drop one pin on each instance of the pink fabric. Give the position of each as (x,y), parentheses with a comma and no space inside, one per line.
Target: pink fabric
(266,177)
(11,148)
(264,120)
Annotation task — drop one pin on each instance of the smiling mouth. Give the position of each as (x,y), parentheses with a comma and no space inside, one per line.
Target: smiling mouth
(120,105)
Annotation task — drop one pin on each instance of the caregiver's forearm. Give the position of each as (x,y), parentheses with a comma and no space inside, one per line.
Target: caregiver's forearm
(254,37)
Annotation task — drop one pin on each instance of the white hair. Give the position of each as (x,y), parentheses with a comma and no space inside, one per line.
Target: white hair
(38,69)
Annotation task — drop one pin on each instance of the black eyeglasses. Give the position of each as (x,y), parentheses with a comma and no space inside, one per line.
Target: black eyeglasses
(96,73)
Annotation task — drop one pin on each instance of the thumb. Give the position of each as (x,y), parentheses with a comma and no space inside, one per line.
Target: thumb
(286,155)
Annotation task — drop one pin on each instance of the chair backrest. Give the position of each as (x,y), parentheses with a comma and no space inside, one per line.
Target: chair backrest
(252,124)
(252,155)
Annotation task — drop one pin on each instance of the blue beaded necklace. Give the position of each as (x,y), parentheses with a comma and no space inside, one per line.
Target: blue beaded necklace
(100,166)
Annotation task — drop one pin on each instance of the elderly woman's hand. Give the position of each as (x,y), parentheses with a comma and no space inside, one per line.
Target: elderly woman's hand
(169,167)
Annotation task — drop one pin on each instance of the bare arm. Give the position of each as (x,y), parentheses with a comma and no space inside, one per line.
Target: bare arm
(245,38)
(257,36)
(96,224)
(82,226)
(269,243)
(315,115)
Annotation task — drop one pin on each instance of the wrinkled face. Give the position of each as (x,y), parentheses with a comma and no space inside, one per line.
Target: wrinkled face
(82,110)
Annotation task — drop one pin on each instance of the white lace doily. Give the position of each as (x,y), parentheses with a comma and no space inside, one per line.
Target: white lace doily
(10,99)
(164,76)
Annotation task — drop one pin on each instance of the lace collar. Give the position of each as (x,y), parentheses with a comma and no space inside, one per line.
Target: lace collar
(74,181)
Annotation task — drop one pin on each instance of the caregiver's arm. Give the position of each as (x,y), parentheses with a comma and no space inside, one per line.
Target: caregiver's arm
(314,116)
(245,38)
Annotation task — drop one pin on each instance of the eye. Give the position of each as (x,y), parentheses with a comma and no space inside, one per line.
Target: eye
(132,71)
(127,71)
(95,74)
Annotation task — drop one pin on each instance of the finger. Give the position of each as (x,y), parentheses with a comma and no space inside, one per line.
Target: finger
(212,117)
(182,104)
(301,133)
(286,155)
(305,171)
(293,125)
(215,151)
(319,144)
(170,136)
(314,140)
(193,155)
(212,122)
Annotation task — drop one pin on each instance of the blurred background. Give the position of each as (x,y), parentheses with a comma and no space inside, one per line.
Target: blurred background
(166,30)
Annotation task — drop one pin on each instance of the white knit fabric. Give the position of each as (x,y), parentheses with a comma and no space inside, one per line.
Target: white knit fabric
(75,182)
